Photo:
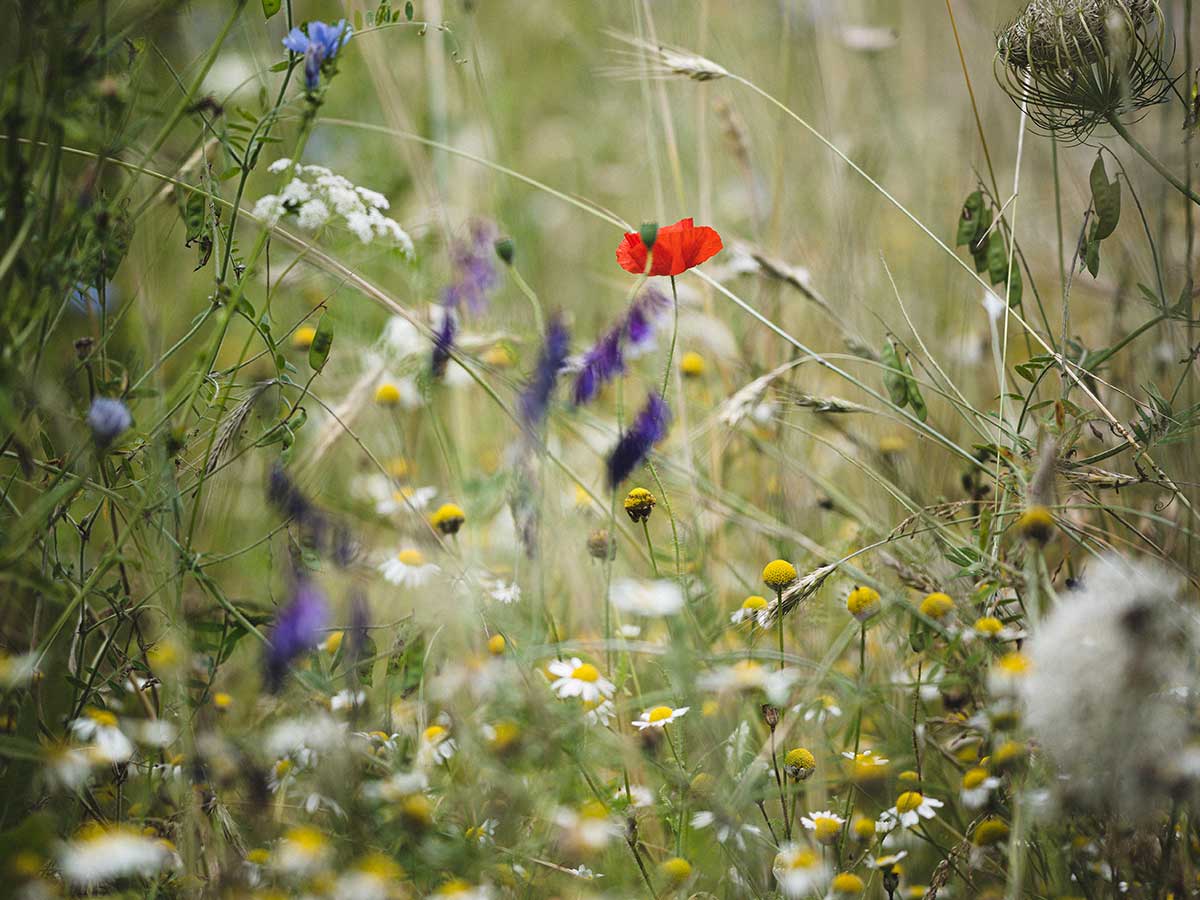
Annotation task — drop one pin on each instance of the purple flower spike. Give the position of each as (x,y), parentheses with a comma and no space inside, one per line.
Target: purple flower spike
(475,270)
(606,359)
(297,629)
(443,343)
(601,364)
(635,445)
(322,43)
(535,399)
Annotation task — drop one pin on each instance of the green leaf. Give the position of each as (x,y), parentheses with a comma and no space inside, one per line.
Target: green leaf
(318,352)
(270,7)
(408,10)
(1106,199)
(893,375)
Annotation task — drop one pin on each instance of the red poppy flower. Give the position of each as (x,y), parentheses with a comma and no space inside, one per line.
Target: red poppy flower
(677,248)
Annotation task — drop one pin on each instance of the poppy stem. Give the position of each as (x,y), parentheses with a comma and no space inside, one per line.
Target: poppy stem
(674,336)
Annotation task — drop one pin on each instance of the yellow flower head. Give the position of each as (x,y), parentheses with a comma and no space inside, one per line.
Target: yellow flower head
(504,735)
(1036,525)
(496,644)
(387,394)
(848,884)
(411,556)
(691,364)
(973,778)
(222,700)
(676,869)
(1013,665)
(302,337)
(908,801)
(500,356)
(639,503)
(989,831)
(800,763)
(399,468)
(448,518)
(937,606)
(988,626)
(1008,755)
(863,603)
(778,574)
(863,827)
(333,642)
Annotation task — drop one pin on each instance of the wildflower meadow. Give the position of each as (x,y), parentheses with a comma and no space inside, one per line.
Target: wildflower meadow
(653,449)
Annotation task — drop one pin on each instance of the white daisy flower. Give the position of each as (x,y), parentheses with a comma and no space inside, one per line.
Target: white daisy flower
(16,670)
(405,499)
(98,727)
(799,871)
(640,796)
(825,825)
(910,808)
(977,787)
(575,678)
(408,568)
(659,717)
(506,593)
(588,829)
(347,699)
(436,745)
(647,598)
(751,610)
(100,855)
(824,708)
(726,830)
(601,713)
(403,338)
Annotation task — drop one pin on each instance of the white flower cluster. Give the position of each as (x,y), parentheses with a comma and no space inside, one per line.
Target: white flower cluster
(1110,682)
(316,196)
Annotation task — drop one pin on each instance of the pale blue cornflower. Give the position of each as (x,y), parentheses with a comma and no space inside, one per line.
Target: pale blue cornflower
(320,44)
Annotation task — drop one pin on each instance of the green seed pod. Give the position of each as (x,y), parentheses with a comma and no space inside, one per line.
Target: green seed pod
(322,342)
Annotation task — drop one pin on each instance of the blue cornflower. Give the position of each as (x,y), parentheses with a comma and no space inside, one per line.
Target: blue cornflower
(635,445)
(535,399)
(297,628)
(108,419)
(606,359)
(322,43)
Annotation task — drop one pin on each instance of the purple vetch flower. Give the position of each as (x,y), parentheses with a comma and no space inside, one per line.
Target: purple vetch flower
(475,275)
(443,342)
(286,497)
(108,419)
(606,359)
(635,444)
(322,43)
(298,627)
(535,399)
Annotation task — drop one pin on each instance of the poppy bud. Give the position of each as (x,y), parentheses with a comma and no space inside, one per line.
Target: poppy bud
(649,234)
(504,250)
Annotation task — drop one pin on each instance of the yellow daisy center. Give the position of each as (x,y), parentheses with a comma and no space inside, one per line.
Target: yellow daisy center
(988,626)
(387,394)
(586,672)
(826,828)
(937,606)
(754,602)
(102,717)
(659,713)
(411,557)
(974,778)
(908,801)
(778,574)
(434,733)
